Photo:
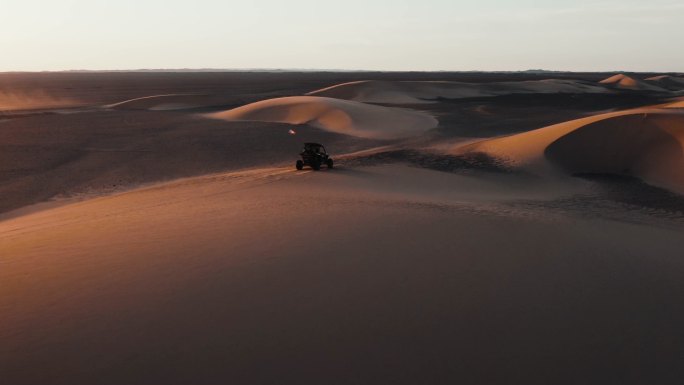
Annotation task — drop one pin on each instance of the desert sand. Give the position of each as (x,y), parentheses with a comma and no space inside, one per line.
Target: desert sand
(668,82)
(408,92)
(335,115)
(678,104)
(646,143)
(477,229)
(626,82)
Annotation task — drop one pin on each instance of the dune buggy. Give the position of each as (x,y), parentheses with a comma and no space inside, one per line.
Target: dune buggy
(314,155)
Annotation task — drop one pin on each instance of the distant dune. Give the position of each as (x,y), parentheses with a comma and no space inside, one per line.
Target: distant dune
(412,92)
(158,102)
(172,102)
(668,82)
(645,143)
(28,100)
(625,82)
(335,115)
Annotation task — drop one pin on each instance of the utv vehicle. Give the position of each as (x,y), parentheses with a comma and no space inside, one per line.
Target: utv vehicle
(314,155)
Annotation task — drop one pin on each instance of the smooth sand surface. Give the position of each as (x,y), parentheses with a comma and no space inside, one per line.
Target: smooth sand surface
(649,146)
(407,92)
(646,143)
(335,115)
(678,104)
(369,275)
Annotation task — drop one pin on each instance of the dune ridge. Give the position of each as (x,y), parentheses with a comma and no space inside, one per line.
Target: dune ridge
(416,92)
(668,82)
(170,102)
(622,81)
(677,104)
(335,115)
(644,143)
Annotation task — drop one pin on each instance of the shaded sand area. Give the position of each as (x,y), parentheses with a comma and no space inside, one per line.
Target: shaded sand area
(477,229)
(647,143)
(387,274)
(58,156)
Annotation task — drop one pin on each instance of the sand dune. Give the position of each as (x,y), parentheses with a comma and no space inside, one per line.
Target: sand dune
(667,82)
(649,146)
(274,276)
(677,104)
(335,115)
(622,81)
(412,92)
(645,143)
(172,102)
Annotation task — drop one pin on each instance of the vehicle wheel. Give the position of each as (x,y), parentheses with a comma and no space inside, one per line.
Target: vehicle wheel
(316,166)
(299,165)
(330,163)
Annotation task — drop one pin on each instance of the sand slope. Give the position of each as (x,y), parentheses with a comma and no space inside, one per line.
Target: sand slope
(173,102)
(622,81)
(677,104)
(46,156)
(412,92)
(340,116)
(646,143)
(409,276)
(158,102)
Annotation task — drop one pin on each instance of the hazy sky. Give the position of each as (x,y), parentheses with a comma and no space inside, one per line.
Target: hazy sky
(345,34)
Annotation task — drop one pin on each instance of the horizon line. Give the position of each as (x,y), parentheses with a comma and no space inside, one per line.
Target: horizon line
(313,70)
